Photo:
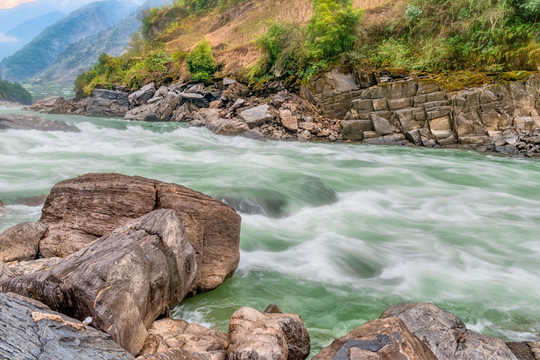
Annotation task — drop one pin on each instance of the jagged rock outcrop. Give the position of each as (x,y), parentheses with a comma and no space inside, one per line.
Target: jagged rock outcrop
(79,211)
(123,281)
(381,339)
(20,242)
(110,103)
(30,330)
(446,335)
(33,122)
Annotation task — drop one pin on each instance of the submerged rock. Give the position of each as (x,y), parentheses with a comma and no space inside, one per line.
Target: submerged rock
(78,211)
(20,242)
(123,282)
(29,330)
(33,122)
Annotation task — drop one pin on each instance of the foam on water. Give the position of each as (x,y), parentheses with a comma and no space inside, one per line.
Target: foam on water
(334,232)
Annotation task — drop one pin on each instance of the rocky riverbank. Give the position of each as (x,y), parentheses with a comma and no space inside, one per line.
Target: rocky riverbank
(382,108)
(96,276)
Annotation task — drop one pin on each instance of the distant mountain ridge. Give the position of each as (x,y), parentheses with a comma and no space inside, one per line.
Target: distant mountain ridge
(25,32)
(79,57)
(37,55)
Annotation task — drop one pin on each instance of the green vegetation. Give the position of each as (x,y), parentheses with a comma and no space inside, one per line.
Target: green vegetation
(200,62)
(298,52)
(471,39)
(14,92)
(442,35)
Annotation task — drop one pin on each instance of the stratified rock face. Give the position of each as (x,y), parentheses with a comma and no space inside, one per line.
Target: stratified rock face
(33,122)
(124,281)
(167,334)
(80,210)
(387,339)
(445,334)
(29,330)
(254,335)
(20,242)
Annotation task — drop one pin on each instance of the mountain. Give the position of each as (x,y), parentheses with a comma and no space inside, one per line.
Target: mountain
(25,32)
(79,57)
(37,55)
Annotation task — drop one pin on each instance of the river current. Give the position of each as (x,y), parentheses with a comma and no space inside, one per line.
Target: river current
(333,232)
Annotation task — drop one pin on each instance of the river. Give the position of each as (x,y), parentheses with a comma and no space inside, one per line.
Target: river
(332,232)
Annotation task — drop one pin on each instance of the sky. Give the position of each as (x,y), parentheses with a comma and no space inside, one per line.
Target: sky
(71,4)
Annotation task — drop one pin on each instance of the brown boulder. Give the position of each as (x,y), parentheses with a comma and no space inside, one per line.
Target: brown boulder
(78,211)
(387,339)
(5,272)
(20,242)
(32,266)
(167,334)
(178,354)
(270,336)
(123,282)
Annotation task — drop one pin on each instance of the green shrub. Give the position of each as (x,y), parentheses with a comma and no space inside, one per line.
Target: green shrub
(14,92)
(200,61)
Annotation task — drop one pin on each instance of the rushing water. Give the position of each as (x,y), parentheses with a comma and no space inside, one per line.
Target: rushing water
(333,232)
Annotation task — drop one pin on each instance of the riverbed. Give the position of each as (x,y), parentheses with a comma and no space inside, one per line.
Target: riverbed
(332,232)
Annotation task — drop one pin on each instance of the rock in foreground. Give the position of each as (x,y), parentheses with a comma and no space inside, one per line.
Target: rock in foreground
(29,330)
(33,122)
(387,339)
(20,242)
(78,211)
(124,281)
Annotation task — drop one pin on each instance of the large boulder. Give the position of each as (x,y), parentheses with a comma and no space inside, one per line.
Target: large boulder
(381,339)
(29,330)
(33,122)
(179,354)
(123,282)
(254,335)
(256,116)
(20,242)
(32,266)
(167,334)
(78,211)
(107,103)
(446,335)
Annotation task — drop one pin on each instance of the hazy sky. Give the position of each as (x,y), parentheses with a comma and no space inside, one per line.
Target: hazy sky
(6,4)
(71,4)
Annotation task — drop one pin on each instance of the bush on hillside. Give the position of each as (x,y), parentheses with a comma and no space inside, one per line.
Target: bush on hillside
(200,61)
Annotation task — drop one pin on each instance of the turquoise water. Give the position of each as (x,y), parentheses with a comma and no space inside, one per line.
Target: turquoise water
(333,232)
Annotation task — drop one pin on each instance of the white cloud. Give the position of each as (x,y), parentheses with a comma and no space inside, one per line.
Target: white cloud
(5,38)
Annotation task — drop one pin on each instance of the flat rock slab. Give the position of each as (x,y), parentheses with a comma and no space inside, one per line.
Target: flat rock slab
(78,211)
(20,242)
(123,282)
(34,122)
(387,339)
(29,330)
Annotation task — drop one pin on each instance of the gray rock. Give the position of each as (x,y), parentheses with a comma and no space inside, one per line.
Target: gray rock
(146,112)
(178,354)
(381,125)
(256,116)
(33,122)
(354,129)
(123,281)
(107,103)
(20,242)
(142,95)
(195,98)
(445,334)
(29,330)
(228,81)
(254,135)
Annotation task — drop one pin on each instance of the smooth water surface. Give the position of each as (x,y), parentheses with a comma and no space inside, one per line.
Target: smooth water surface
(333,232)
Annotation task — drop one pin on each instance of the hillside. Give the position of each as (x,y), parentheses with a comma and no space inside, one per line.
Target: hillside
(25,32)
(14,93)
(43,50)
(258,39)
